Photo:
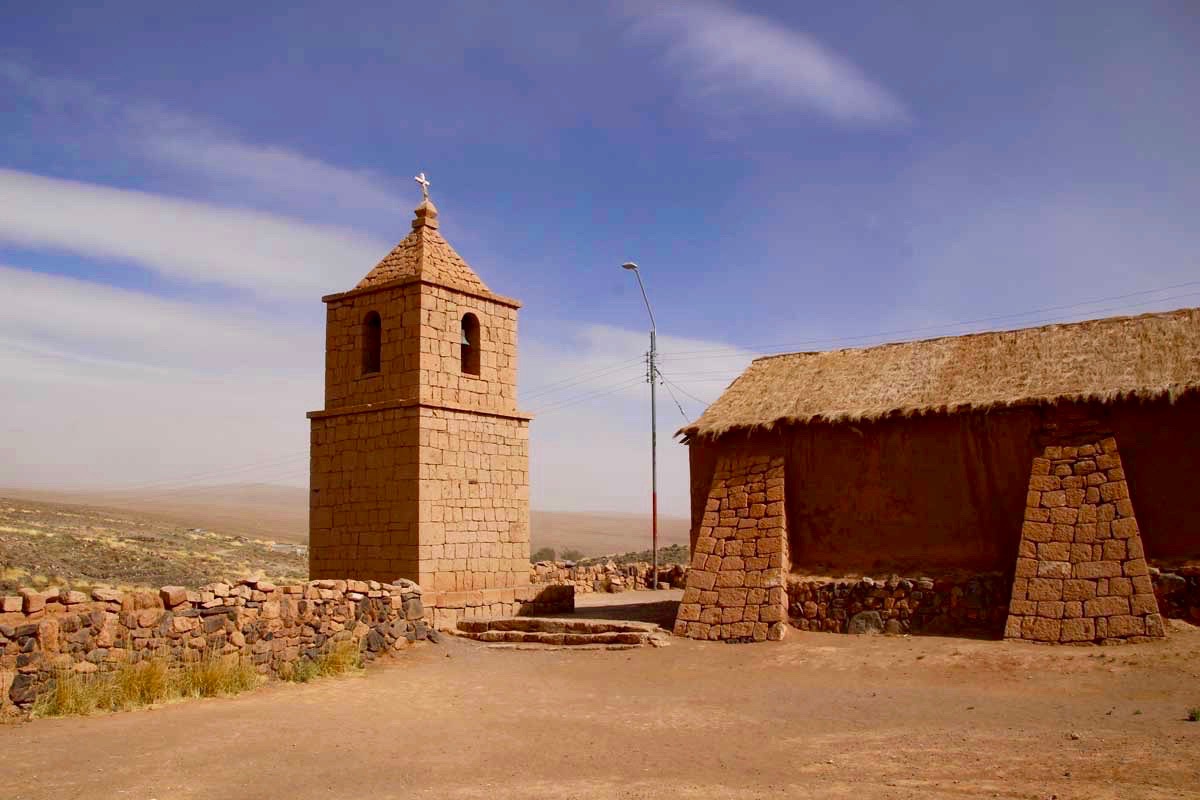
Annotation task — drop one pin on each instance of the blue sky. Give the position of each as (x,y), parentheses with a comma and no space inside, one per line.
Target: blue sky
(179,186)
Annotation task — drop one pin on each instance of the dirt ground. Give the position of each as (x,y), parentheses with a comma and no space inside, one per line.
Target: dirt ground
(817,715)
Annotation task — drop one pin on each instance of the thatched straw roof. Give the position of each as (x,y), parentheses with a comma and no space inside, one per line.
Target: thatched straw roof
(1105,359)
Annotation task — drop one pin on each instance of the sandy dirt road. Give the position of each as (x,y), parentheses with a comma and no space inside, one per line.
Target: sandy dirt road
(818,715)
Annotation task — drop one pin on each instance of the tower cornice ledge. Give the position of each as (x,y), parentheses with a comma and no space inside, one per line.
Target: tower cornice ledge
(482,294)
(414,403)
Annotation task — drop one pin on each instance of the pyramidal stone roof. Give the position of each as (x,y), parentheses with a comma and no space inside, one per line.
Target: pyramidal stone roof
(424,255)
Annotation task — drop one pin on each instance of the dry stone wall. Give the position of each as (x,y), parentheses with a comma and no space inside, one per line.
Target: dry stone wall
(1081,573)
(735,587)
(606,577)
(968,604)
(43,633)
(1178,592)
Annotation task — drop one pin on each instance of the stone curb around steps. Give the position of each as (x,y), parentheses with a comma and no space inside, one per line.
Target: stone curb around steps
(545,648)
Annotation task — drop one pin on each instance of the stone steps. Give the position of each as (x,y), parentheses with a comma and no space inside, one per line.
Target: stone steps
(547,632)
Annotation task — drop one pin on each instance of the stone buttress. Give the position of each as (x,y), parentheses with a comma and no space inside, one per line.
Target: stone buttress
(1081,574)
(736,583)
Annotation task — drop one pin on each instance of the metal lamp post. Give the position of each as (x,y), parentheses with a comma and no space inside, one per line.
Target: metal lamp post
(652,373)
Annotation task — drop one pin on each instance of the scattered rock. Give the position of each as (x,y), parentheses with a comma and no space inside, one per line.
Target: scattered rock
(865,622)
(173,596)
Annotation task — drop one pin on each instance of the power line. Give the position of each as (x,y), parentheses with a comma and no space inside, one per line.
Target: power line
(202,477)
(570,401)
(564,383)
(669,382)
(682,413)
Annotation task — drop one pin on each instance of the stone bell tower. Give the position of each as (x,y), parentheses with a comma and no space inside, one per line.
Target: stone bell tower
(420,459)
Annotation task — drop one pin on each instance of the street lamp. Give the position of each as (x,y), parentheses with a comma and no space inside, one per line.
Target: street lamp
(652,374)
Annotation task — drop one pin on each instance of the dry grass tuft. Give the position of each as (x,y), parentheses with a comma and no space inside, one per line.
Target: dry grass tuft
(158,681)
(213,676)
(343,657)
(142,684)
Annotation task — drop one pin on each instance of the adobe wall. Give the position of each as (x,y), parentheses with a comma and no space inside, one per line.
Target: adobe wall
(473,501)
(273,626)
(1160,450)
(944,492)
(917,495)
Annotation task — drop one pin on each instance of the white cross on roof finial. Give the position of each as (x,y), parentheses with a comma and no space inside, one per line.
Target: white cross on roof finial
(421,179)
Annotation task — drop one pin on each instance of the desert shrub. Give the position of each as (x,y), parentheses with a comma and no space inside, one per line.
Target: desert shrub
(1194,714)
(544,554)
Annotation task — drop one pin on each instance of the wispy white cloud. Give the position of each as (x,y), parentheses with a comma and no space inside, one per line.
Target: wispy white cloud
(72,323)
(106,386)
(724,56)
(268,173)
(267,254)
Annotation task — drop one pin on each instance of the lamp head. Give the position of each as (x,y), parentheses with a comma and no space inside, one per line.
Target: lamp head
(629,265)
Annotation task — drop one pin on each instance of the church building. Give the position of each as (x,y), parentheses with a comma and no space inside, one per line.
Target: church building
(420,458)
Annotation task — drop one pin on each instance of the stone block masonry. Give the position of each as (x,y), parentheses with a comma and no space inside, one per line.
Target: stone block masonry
(450,608)
(1081,573)
(606,577)
(420,458)
(43,633)
(735,587)
(970,604)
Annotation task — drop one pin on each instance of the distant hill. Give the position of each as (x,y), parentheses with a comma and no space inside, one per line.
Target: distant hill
(280,513)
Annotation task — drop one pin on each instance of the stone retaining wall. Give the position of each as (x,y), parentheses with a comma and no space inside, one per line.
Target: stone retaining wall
(42,633)
(606,577)
(975,604)
(1178,592)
